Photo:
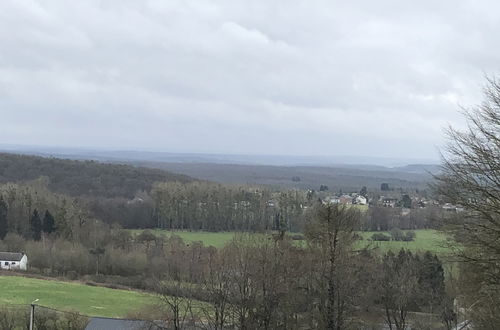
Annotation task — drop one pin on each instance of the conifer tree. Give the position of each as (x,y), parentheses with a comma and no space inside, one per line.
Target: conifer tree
(48,223)
(36,226)
(3,218)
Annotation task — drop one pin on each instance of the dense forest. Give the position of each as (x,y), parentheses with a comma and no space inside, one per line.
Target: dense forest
(146,198)
(84,178)
(339,177)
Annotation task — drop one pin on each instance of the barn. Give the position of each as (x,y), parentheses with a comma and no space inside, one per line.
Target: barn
(13,261)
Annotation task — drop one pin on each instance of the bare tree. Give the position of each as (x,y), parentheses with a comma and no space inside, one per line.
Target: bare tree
(217,287)
(177,303)
(331,235)
(397,288)
(471,178)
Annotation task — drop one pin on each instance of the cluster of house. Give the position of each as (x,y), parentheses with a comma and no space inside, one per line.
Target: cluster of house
(13,261)
(354,198)
(346,199)
(452,208)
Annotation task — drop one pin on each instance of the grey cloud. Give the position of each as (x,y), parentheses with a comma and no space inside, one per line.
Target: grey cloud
(287,77)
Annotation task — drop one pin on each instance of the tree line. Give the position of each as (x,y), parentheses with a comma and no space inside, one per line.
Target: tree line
(217,207)
(32,208)
(32,211)
(257,281)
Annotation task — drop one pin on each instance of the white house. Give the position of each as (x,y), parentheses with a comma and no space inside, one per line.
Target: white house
(331,200)
(361,200)
(12,260)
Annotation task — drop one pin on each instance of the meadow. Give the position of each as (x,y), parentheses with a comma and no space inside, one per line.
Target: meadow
(216,239)
(425,240)
(106,302)
(71,296)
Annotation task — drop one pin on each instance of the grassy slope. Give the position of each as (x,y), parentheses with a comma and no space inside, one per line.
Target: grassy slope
(431,240)
(88,300)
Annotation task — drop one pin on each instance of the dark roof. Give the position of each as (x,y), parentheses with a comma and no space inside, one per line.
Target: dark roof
(101,323)
(11,256)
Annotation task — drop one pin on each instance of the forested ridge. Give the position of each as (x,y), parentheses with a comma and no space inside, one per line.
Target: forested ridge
(135,197)
(90,178)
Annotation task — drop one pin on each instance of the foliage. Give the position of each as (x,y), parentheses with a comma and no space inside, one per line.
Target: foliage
(48,223)
(425,240)
(407,283)
(406,201)
(36,226)
(214,207)
(3,218)
(380,237)
(77,178)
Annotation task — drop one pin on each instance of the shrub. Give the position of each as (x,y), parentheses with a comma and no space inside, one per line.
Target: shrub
(72,275)
(410,236)
(380,237)
(397,234)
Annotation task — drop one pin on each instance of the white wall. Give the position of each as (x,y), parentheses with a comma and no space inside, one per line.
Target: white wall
(9,264)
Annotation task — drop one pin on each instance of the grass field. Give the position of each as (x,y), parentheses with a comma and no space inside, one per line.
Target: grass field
(218,239)
(87,300)
(425,240)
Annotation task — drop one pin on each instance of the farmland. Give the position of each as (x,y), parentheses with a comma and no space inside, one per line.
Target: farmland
(425,240)
(70,296)
(216,239)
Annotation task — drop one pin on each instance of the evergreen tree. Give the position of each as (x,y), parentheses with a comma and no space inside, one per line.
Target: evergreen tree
(3,218)
(48,223)
(36,226)
(406,201)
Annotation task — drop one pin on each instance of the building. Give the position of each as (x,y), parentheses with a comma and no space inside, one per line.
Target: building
(331,200)
(345,199)
(13,261)
(389,202)
(102,323)
(360,200)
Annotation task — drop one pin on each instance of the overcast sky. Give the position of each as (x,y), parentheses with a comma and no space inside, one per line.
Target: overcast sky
(365,78)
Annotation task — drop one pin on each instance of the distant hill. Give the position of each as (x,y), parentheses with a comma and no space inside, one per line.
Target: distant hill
(419,168)
(186,157)
(348,178)
(303,172)
(79,178)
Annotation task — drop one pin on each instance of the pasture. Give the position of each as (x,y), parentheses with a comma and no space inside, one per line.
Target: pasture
(71,296)
(216,239)
(425,240)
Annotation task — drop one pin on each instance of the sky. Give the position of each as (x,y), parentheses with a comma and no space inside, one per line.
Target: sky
(290,77)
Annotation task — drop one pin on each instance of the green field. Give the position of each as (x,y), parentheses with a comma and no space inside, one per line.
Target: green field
(87,300)
(425,240)
(218,239)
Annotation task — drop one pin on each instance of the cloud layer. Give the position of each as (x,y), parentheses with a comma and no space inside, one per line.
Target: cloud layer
(374,78)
